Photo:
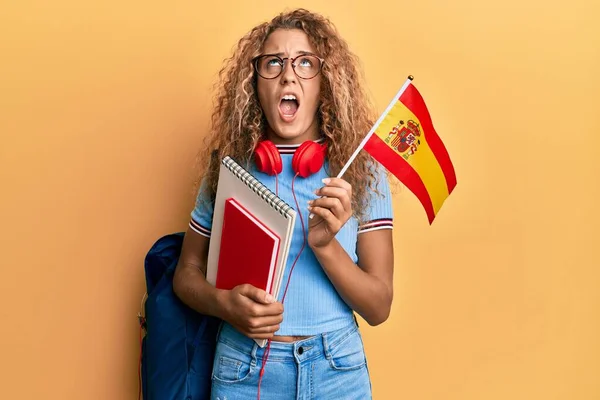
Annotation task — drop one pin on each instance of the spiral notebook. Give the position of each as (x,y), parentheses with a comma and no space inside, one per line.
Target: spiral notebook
(238,187)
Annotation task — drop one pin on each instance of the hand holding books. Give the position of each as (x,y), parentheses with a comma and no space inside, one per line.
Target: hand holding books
(252,311)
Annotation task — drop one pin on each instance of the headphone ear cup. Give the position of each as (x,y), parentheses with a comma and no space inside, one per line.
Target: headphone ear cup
(308,158)
(267,158)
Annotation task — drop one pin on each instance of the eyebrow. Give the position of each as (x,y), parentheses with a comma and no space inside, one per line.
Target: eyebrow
(299,53)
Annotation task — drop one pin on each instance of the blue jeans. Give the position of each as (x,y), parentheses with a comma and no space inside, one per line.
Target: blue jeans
(330,365)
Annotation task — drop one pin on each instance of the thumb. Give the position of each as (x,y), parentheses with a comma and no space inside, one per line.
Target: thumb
(258,295)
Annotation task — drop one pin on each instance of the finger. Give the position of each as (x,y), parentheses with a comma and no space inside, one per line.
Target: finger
(332,203)
(330,219)
(273,309)
(261,310)
(338,182)
(331,191)
(263,324)
(264,330)
(256,294)
(338,193)
(260,335)
(266,333)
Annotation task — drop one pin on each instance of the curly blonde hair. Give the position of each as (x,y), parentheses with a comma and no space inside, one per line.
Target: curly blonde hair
(345,113)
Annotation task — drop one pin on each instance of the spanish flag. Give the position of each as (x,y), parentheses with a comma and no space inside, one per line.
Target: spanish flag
(404,141)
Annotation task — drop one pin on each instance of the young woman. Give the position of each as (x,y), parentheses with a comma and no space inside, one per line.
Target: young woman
(292,85)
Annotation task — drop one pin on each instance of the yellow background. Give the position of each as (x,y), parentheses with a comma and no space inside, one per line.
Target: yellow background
(103,106)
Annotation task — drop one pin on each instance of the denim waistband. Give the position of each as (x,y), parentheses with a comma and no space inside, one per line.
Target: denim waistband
(305,349)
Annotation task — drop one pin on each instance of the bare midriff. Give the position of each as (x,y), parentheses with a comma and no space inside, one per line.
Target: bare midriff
(288,339)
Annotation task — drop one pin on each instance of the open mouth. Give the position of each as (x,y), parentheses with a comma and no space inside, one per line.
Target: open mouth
(288,106)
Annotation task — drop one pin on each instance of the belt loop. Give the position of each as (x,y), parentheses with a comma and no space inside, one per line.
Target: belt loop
(325,345)
(253,353)
(219,330)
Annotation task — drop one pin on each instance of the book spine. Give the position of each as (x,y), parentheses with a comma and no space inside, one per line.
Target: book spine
(257,187)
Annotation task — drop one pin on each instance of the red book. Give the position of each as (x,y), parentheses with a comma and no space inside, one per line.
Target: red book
(248,252)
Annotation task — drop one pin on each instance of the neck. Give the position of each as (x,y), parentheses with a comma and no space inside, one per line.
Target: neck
(312,133)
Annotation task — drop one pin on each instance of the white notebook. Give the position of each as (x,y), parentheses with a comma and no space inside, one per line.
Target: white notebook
(271,210)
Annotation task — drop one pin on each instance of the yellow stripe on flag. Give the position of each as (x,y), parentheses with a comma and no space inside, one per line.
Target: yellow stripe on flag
(402,131)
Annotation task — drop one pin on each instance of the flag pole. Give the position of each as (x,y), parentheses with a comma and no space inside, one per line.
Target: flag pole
(376,125)
(373,129)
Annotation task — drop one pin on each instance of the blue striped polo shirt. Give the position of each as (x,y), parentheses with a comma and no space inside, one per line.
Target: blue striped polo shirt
(312,304)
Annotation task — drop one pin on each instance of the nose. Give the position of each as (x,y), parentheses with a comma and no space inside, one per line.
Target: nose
(288,75)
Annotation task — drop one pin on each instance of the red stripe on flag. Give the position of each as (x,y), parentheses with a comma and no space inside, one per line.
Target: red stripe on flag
(398,166)
(412,99)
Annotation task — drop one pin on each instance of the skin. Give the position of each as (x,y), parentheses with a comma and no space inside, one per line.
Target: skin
(290,43)
(367,289)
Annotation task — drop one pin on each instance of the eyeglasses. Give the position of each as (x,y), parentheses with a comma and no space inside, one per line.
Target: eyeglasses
(305,66)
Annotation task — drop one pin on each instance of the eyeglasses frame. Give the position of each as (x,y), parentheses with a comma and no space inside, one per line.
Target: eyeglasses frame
(292,61)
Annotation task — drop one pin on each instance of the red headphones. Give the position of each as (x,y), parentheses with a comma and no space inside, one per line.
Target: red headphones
(307,160)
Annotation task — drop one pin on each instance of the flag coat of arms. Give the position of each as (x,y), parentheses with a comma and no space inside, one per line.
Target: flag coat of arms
(405,142)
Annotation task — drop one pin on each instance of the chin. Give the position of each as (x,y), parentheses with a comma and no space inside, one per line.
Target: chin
(296,132)
(289,133)
(292,136)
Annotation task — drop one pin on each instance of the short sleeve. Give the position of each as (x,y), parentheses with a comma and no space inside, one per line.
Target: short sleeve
(202,214)
(380,213)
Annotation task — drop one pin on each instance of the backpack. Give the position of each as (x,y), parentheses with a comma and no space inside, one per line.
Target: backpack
(178,348)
